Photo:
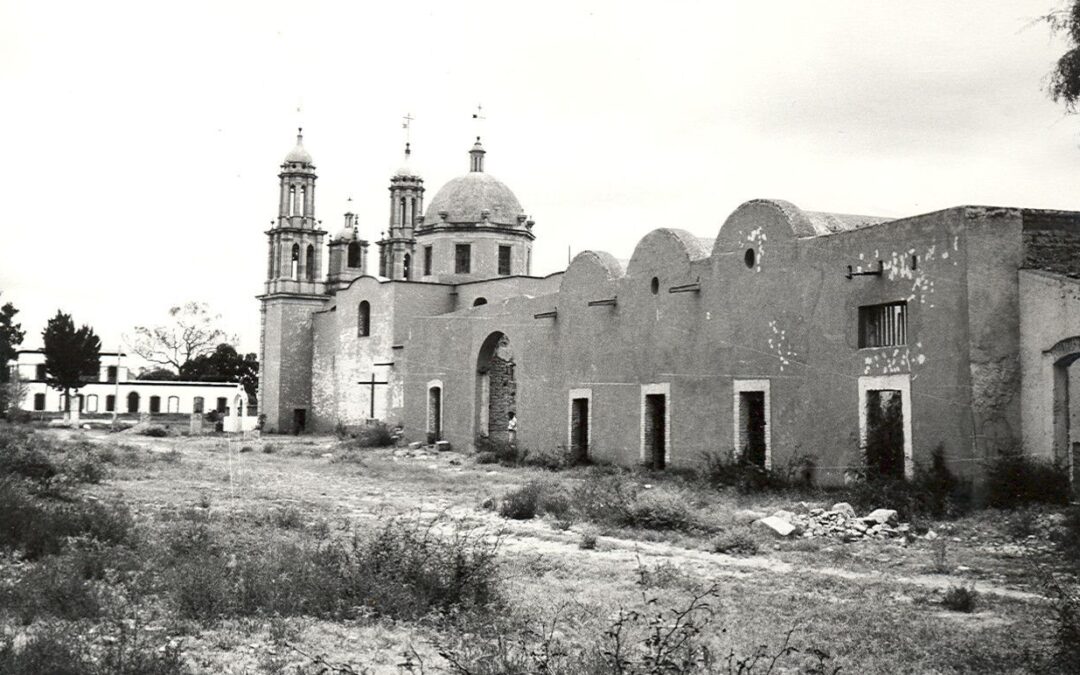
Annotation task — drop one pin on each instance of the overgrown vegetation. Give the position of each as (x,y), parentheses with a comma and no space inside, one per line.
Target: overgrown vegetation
(933,492)
(614,500)
(961,598)
(1014,479)
(371,435)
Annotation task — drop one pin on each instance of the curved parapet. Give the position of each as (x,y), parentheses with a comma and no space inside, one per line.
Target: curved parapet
(667,254)
(591,269)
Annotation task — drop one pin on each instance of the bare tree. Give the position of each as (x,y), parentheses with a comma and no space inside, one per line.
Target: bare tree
(192,331)
(1064,84)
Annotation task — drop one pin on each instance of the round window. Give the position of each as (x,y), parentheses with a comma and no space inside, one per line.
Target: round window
(655,285)
(750,257)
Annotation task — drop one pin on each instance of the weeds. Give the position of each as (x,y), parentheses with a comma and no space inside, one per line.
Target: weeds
(588,541)
(735,543)
(1065,603)
(960,599)
(933,492)
(1014,479)
(939,553)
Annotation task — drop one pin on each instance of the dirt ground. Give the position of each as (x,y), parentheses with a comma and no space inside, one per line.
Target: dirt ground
(872,606)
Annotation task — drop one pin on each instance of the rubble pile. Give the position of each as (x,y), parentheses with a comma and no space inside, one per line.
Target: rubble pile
(840,522)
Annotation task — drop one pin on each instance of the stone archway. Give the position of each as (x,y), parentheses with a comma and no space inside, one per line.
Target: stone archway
(496,387)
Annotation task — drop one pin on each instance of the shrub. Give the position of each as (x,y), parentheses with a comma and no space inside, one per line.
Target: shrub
(23,454)
(735,543)
(1069,536)
(521,503)
(933,492)
(487,458)
(662,510)
(505,453)
(48,651)
(269,448)
(588,541)
(726,470)
(39,527)
(1065,603)
(155,432)
(374,435)
(54,587)
(960,598)
(554,460)
(1013,479)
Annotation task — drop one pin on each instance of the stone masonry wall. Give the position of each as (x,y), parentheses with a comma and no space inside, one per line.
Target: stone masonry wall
(1051,240)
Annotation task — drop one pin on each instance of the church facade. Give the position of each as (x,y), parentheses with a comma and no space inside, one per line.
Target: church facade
(804,341)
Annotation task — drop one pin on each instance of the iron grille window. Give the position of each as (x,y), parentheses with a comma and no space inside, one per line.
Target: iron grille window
(504,261)
(462,258)
(883,325)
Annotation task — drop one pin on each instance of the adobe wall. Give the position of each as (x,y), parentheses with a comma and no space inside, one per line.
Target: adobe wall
(789,317)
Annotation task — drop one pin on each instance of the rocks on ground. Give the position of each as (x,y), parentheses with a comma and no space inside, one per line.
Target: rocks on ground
(840,521)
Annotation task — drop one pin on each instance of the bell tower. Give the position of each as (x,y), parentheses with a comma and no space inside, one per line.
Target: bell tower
(397,249)
(295,288)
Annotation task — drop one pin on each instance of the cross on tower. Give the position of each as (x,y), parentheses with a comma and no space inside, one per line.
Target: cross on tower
(407,125)
(479,117)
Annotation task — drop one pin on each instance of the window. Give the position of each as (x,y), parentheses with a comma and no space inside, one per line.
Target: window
(427,261)
(406,265)
(110,374)
(110,403)
(363,319)
(197,405)
(294,273)
(504,261)
(883,325)
(462,258)
(222,404)
(479,301)
(39,401)
(92,403)
(353,259)
(309,264)
(39,371)
(155,404)
(174,404)
(133,402)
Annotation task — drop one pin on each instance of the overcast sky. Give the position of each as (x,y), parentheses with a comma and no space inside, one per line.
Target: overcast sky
(143,140)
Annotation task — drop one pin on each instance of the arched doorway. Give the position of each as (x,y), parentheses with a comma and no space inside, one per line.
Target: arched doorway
(133,402)
(434,411)
(1066,411)
(496,388)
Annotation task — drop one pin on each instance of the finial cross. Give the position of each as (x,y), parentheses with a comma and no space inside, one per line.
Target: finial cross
(407,125)
(479,117)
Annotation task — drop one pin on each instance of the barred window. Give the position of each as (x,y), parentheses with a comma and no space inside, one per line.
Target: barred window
(504,261)
(883,325)
(462,259)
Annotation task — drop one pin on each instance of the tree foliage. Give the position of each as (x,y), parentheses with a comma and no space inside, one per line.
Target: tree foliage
(11,336)
(1064,84)
(72,357)
(192,331)
(158,374)
(224,364)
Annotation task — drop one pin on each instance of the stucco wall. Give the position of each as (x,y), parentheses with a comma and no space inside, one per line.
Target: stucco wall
(790,317)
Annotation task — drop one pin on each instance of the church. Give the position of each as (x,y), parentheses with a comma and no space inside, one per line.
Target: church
(804,341)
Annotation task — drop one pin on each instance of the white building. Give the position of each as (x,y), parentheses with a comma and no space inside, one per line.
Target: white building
(113,384)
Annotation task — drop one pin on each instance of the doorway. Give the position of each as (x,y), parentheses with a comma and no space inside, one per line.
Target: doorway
(656,431)
(299,420)
(752,427)
(884,445)
(496,387)
(434,426)
(579,429)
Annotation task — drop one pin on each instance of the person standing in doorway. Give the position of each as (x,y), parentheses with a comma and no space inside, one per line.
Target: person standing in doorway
(511,429)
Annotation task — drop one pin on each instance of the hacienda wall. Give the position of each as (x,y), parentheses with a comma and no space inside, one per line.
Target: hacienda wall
(790,317)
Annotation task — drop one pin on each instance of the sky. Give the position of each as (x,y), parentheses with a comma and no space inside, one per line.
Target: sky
(143,139)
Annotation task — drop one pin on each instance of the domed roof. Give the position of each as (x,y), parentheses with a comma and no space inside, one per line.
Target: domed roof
(299,155)
(465,197)
(346,234)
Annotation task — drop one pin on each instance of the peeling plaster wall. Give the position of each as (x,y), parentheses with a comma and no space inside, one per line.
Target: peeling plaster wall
(789,317)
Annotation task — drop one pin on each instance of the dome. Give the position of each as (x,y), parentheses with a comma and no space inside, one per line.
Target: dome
(346,234)
(465,197)
(299,155)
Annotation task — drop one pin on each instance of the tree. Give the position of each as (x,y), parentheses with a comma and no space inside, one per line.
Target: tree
(159,374)
(224,364)
(193,331)
(1064,85)
(72,357)
(12,394)
(11,336)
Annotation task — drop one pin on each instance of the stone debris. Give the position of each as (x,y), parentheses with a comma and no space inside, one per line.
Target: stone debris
(840,522)
(777,526)
(442,446)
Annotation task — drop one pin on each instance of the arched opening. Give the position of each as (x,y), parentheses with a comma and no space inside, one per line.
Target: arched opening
(406,267)
(363,319)
(309,263)
(479,301)
(155,404)
(133,402)
(496,388)
(1066,408)
(353,257)
(197,405)
(174,404)
(294,273)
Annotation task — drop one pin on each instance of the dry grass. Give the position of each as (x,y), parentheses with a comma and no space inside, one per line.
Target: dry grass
(202,497)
